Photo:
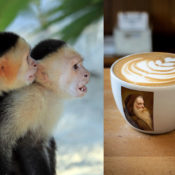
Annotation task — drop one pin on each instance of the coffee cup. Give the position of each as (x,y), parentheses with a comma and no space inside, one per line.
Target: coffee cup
(143,87)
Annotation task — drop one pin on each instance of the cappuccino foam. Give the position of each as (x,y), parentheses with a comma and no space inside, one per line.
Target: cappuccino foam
(148,69)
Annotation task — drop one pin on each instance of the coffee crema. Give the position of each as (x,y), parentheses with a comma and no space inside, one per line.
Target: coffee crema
(147,69)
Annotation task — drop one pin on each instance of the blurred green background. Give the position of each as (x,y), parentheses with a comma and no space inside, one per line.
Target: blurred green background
(82,12)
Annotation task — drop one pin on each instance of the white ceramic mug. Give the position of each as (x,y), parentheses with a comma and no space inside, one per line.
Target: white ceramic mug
(163,103)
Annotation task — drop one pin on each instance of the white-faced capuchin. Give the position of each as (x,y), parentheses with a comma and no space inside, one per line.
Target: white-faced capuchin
(17,68)
(29,115)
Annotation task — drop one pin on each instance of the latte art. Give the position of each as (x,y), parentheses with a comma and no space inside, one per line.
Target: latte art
(151,69)
(148,71)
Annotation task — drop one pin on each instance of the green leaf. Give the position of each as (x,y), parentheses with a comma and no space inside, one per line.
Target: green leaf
(75,28)
(82,13)
(69,6)
(9,10)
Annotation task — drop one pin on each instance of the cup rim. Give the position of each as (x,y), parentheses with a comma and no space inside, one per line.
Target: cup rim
(136,85)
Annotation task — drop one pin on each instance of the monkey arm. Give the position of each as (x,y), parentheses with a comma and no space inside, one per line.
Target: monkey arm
(35,157)
(52,155)
(5,162)
(32,161)
(6,145)
(7,135)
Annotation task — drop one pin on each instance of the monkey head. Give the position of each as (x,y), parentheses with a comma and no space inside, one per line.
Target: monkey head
(61,68)
(17,68)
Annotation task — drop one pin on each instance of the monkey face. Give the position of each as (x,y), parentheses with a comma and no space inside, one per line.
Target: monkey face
(27,71)
(74,76)
(79,78)
(17,68)
(28,66)
(63,72)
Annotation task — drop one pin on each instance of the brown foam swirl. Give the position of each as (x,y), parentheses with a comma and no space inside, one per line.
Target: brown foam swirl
(149,69)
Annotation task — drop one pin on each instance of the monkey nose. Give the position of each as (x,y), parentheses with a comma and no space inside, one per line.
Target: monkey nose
(86,75)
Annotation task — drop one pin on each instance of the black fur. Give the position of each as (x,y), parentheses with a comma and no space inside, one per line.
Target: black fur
(52,155)
(5,162)
(32,160)
(3,106)
(5,165)
(5,103)
(34,157)
(7,41)
(46,47)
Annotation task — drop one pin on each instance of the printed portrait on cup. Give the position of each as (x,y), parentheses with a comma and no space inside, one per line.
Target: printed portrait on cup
(138,108)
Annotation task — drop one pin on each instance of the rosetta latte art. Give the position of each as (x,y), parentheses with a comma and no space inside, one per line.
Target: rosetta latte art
(147,69)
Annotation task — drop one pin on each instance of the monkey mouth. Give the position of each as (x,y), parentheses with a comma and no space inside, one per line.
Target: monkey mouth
(83,89)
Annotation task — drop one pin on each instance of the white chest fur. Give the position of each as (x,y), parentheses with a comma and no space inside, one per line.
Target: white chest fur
(36,109)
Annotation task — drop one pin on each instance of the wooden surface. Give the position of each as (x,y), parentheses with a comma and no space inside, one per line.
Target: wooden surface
(108,60)
(129,152)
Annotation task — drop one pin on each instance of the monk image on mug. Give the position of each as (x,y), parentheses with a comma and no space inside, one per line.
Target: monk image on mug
(136,112)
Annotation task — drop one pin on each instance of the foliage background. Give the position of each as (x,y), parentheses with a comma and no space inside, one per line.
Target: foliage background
(81,12)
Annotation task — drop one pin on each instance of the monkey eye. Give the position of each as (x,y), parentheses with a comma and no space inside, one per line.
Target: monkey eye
(75,66)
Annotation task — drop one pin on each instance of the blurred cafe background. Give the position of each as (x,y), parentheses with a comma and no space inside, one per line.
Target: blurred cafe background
(137,26)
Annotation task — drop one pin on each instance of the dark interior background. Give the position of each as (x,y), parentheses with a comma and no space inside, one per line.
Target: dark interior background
(161,16)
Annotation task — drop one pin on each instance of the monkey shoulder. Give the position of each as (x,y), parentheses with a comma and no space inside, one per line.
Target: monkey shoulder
(36,108)
(28,96)
(26,106)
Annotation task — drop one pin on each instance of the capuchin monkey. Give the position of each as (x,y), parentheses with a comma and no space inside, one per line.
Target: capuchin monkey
(17,68)
(29,114)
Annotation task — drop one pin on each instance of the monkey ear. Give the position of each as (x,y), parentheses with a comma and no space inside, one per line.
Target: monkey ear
(3,62)
(41,73)
(2,67)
